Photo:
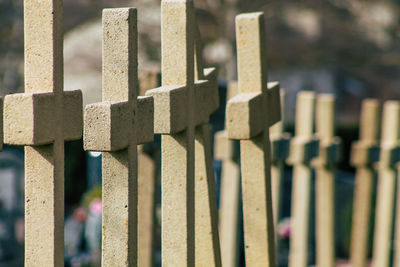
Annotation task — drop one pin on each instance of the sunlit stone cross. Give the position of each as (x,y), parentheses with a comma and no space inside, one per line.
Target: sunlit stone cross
(116,126)
(41,119)
(249,116)
(185,101)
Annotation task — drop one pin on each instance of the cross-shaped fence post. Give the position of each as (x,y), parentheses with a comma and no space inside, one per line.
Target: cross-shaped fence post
(182,108)
(41,119)
(116,126)
(303,148)
(364,153)
(387,175)
(245,123)
(329,155)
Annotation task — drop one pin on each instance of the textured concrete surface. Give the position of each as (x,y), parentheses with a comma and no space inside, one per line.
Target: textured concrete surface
(44,117)
(117,126)
(186,100)
(246,121)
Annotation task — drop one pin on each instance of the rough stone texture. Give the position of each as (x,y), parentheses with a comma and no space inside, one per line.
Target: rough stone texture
(304,136)
(176,116)
(364,153)
(387,176)
(43,105)
(177,149)
(257,99)
(325,180)
(113,126)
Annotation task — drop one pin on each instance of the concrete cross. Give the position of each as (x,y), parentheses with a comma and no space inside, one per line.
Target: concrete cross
(303,148)
(227,151)
(329,156)
(116,126)
(364,154)
(41,119)
(245,123)
(387,178)
(181,104)
(280,142)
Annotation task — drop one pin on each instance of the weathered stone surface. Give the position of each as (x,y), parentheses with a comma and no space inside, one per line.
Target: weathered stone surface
(249,116)
(40,121)
(117,125)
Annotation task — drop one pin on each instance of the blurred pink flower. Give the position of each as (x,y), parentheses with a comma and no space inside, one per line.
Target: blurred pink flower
(96,206)
(284,228)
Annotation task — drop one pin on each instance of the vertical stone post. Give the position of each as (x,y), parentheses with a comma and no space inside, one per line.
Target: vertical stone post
(387,175)
(329,155)
(182,108)
(116,126)
(364,154)
(245,124)
(304,148)
(41,119)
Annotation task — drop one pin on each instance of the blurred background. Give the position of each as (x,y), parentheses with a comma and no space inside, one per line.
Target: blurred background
(350,48)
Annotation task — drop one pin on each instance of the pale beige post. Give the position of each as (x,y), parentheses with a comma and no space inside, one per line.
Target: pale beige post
(364,154)
(245,124)
(329,155)
(304,147)
(224,150)
(116,126)
(41,119)
(207,245)
(387,175)
(176,116)
(280,142)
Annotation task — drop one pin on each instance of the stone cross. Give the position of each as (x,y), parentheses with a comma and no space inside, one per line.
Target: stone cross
(329,155)
(364,154)
(387,175)
(41,119)
(280,142)
(245,123)
(181,104)
(303,148)
(226,151)
(116,126)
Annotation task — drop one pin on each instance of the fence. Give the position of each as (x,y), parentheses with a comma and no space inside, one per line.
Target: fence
(45,116)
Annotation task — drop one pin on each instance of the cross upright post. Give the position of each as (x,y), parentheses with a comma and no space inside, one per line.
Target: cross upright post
(364,154)
(182,107)
(116,126)
(329,156)
(245,123)
(303,148)
(387,175)
(41,119)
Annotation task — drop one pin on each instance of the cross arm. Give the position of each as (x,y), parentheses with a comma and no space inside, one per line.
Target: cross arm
(170,109)
(145,119)
(206,96)
(29,118)
(106,126)
(245,112)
